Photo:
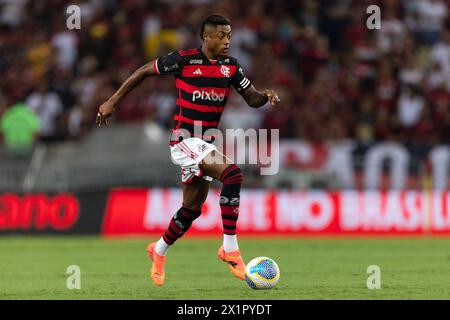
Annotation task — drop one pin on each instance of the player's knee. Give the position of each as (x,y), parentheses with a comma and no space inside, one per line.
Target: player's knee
(197,206)
(232,175)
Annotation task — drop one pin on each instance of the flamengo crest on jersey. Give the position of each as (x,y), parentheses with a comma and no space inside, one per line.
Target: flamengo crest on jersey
(225,71)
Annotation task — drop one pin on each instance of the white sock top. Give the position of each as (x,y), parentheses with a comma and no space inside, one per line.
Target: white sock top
(161,247)
(230,243)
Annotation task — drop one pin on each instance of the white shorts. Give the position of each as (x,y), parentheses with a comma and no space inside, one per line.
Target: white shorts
(188,154)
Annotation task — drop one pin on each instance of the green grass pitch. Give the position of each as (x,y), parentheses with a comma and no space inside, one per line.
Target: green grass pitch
(311,268)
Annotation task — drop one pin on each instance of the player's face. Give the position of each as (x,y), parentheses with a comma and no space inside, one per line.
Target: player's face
(218,40)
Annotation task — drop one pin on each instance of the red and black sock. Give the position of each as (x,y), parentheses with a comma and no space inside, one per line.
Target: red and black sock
(231,179)
(180,223)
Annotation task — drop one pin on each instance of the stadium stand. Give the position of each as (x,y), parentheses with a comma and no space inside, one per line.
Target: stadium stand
(339,81)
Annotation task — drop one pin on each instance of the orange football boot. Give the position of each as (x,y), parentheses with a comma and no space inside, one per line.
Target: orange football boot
(234,261)
(157,272)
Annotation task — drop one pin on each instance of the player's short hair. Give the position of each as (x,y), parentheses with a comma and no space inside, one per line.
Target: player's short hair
(214,20)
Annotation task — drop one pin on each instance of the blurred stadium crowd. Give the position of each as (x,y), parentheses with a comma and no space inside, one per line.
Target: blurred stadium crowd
(337,79)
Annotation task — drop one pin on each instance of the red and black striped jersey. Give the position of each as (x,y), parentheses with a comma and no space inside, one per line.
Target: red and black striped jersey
(203,87)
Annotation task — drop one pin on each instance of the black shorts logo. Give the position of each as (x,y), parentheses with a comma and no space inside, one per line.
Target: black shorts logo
(202,147)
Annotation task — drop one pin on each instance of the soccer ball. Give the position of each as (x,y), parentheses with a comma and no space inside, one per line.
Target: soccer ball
(262,273)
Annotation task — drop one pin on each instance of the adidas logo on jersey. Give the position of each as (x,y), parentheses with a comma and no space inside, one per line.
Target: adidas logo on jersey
(198,71)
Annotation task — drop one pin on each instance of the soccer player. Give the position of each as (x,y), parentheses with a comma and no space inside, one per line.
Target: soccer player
(203,77)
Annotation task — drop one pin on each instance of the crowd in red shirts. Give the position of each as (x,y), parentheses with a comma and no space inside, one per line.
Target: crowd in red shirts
(337,78)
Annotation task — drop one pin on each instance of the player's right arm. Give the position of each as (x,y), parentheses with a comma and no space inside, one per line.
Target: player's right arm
(169,64)
(108,107)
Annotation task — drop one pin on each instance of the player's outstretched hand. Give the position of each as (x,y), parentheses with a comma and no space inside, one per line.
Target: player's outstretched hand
(272,96)
(104,112)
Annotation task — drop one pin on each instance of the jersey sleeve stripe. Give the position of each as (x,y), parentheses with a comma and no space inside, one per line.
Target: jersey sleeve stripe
(245,84)
(243,80)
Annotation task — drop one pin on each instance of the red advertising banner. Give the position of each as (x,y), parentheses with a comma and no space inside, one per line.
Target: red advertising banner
(60,213)
(38,212)
(145,211)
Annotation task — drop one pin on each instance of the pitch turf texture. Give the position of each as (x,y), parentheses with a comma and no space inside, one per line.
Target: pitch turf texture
(311,268)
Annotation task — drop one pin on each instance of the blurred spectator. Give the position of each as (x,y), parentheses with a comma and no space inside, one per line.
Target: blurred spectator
(387,85)
(39,55)
(163,101)
(431,18)
(410,106)
(436,77)
(244,44)
(65,44)
(19,126)
(47,106)
(12,13)
(238,115)
(392,33)
(440,57)
(411,73)
(364,126)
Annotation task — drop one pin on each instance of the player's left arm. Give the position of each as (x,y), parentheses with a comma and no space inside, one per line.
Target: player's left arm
(256,99)
(253,97)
